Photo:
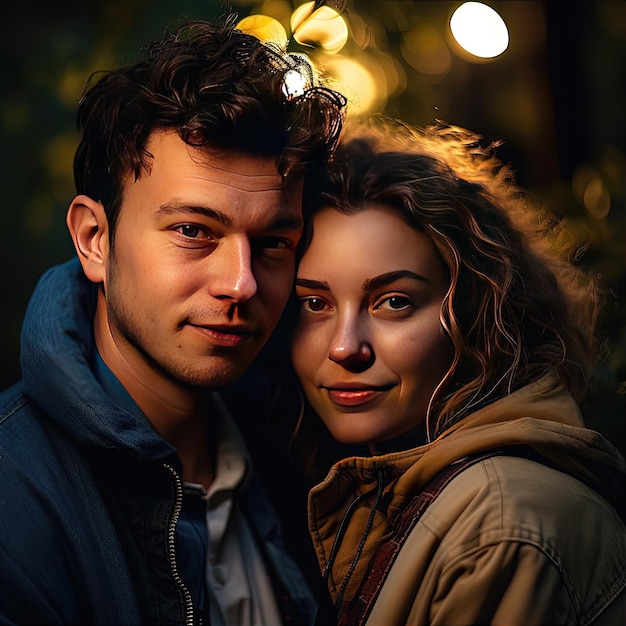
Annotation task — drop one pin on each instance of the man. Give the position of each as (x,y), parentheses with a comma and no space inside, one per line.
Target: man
(126,494)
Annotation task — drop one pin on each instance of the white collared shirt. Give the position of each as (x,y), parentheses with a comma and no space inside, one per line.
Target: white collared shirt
(237,581)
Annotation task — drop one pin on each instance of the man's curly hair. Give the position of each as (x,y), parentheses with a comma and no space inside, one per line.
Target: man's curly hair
(218,88)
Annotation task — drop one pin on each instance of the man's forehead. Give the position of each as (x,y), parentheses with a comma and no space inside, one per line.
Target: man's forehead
(246,172)
(241,175)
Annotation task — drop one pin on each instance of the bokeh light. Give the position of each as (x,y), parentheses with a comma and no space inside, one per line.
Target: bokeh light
(264,28)
(353,80)
(479,30)
(425,50)
(591,191)
(322,27)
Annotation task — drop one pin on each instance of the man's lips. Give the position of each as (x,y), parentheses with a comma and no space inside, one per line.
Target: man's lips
(225,334)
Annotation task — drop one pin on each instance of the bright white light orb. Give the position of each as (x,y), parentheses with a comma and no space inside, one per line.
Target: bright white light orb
(294,84)
(479,30)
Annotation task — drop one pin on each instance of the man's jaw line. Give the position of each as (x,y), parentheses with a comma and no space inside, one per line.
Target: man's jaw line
(175,398)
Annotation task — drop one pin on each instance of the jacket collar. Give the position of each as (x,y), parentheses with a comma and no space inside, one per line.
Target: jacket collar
(57,348)
(542,415)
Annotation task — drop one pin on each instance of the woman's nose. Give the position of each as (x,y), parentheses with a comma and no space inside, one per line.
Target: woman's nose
(350,346)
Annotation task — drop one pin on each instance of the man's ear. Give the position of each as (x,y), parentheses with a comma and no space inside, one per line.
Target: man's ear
(89,228)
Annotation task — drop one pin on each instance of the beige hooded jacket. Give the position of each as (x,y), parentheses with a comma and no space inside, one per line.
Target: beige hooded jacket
(508,541)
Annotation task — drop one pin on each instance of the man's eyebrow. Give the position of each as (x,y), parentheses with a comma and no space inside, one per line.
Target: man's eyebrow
(192,209)
(389,277)
(281,223)
(312,284)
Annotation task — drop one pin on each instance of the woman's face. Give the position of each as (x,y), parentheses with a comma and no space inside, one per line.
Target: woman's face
(368,346)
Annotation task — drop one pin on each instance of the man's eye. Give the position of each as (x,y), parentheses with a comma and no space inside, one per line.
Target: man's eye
(192,231)
(272,243)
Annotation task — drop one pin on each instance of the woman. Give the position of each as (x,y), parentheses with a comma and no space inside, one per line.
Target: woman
(436,333)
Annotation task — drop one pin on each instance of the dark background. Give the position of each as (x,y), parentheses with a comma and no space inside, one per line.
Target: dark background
(556,97)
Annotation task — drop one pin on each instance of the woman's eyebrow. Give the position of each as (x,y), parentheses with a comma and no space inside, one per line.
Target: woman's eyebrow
(312,284)
(389,277)
(369,284)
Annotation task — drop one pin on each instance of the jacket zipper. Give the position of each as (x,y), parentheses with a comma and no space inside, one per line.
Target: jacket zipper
(342,529)
(171,545)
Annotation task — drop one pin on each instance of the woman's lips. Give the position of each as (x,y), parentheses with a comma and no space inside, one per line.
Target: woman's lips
(354,397)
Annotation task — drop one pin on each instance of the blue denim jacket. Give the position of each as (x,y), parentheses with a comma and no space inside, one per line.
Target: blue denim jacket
(88,491)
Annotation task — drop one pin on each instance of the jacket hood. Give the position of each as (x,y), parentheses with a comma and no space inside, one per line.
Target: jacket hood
(57,347)
(542,415)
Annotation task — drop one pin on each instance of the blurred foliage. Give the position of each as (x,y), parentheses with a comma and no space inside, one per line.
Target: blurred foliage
(556,97)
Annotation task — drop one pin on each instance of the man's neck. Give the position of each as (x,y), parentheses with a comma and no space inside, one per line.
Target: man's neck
(180,414)
(196,447)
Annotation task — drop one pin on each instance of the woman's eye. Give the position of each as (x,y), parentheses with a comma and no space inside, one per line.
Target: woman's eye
(395,303)
(315,305)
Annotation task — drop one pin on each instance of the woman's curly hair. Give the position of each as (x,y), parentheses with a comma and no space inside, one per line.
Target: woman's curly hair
(516,307)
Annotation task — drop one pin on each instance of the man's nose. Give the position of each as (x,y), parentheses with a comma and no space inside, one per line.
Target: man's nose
(232,275)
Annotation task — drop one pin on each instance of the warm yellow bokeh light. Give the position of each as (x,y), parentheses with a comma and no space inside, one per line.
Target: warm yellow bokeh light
(302,13)
(264,28)
(323,27)
(597,199)
(278,9)
(590,190)
(354,81)
(479,30)
(389,75)
(425,50)
(583,175)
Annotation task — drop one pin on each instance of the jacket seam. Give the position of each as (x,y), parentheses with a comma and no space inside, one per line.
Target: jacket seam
(546,550)
(13,407)
(605,600)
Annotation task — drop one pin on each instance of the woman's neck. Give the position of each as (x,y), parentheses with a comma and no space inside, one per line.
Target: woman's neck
(406,441)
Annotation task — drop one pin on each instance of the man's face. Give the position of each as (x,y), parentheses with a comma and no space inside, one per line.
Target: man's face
(202,262)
